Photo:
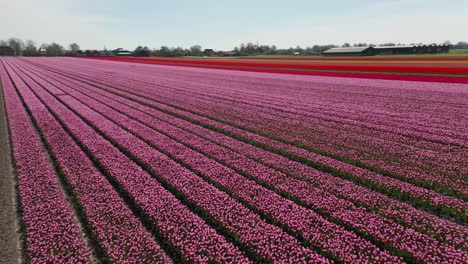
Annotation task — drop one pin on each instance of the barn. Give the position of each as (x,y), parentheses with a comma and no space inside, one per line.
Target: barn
(387,50)
(394,50)
(351,51)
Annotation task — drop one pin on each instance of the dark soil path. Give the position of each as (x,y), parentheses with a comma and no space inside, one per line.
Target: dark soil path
(9,245)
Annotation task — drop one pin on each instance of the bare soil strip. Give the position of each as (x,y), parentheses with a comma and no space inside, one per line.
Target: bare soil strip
(9,241)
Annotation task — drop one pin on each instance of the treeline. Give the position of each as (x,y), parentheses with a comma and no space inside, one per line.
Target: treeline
(29,48)
(17,47)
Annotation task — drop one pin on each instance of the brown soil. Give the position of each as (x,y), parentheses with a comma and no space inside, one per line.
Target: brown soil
(9,241)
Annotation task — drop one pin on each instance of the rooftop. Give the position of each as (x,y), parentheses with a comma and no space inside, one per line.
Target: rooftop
(346,50)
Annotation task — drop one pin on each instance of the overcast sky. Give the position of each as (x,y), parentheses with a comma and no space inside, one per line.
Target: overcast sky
(221,24)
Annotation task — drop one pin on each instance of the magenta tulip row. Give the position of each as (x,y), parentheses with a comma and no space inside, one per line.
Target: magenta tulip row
(160,156)
(268,241)
(191,235)
(367,220)
(114,225)
(409,162)
(421,176)
(386,207)
(346,245)
(427,223)
(51,233)
(420,155)
(389,184)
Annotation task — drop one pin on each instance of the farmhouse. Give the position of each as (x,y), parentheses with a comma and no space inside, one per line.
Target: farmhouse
(351,51)
(6,51)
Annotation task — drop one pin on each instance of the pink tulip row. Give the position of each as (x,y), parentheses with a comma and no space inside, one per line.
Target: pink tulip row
(231,108)
(234,175)
(409,151)
(342,111)
(425,222)
(421,155)
(214,171)
(301,91)
(197,241)
(343,211)
(51,232)
(118,231)
(386,207)
(346,245)
(390,185)
(264,239)
(359,117)
(420,177)
(392,157)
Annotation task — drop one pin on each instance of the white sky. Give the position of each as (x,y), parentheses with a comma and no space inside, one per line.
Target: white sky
(225,24)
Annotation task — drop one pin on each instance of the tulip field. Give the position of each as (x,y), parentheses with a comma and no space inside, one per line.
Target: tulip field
(452,69)
(124,162)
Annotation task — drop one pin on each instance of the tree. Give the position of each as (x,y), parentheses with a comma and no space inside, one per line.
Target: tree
(273,49)
(298,49)
(196,50)
(250,49)
(360,45)
(17,45)
(346,45)
(54,49)
(242,48)
(74,48)
(165,51)
(141,52)
(461,45)
(178,52)
(30,49)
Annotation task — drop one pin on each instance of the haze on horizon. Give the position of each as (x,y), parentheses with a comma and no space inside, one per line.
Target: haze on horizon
(224,24)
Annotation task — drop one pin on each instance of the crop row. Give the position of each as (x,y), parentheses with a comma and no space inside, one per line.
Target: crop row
(174,127)
(412,164)
(389,185)
(265,241)
(290,185)
(175,222)
(50,233)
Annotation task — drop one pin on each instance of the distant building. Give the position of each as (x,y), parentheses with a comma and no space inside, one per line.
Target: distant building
(351,51)
(233,53)
(122,52)
(394,50)
(42,52)
(6,51)
(105,53)
(387,50)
